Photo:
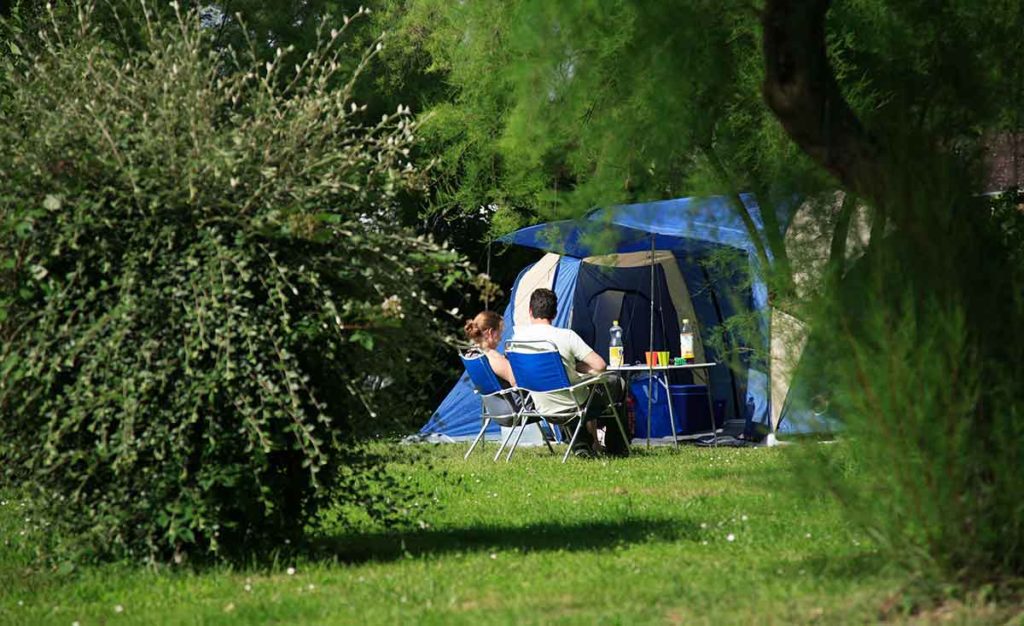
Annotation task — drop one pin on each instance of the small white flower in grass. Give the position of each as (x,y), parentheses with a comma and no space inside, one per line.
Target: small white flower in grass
(248,587)
(291,571)
(75,624)
(311,586)
(704,543)
(21,603)
(703,524)
(119,609)
(730,537)
(494,556)
(744,518)
(808,535)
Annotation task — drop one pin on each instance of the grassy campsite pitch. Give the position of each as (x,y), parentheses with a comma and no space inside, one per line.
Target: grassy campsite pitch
(688,536)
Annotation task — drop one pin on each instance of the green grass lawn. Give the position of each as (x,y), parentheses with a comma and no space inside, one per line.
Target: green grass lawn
(687,536)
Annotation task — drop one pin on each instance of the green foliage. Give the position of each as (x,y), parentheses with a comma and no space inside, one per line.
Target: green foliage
(206,296)
(948,71)
(923,369)
(558,107)
(561,106)
(1008,211)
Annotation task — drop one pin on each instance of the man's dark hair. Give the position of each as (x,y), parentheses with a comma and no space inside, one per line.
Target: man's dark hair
(543,304)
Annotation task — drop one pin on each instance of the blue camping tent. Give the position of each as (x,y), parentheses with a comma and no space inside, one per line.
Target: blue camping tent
(600,268)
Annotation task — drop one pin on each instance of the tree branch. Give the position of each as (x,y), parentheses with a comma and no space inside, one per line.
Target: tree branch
(779,273)
(837,249)
(801,89)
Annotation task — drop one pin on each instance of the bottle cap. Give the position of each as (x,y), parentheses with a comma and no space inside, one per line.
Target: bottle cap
(614,322)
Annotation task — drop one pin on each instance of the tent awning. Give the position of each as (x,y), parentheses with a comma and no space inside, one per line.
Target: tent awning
(674,224)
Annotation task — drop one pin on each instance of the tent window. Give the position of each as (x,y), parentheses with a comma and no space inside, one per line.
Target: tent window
(605,308)
(632,309)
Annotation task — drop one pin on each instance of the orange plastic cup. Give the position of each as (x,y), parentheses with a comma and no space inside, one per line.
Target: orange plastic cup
(652,358)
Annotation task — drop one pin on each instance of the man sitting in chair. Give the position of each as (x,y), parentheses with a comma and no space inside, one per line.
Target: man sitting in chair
(579,360)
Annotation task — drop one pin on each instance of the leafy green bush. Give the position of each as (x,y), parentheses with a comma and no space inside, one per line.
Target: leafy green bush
(924,371)
(204,295)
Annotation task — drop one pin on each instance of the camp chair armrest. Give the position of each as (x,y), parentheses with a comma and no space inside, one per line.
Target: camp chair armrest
(511,391)
(504,390)
(600,378)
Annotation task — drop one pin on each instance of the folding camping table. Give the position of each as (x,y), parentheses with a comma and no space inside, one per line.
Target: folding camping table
(660,373)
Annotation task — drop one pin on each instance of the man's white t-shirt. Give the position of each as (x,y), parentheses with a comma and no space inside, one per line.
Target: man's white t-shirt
(572,349)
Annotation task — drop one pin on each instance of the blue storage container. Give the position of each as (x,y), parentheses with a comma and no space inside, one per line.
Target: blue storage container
(689,402)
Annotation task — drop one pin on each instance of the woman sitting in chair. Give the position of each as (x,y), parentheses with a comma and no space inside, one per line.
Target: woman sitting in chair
(484,331)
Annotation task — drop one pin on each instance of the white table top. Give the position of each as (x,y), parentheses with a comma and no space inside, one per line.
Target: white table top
(658,368)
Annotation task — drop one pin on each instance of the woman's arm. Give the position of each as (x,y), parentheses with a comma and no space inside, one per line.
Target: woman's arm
(502,368)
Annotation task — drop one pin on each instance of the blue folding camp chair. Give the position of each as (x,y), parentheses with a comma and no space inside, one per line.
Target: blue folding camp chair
(539,370)
(498,405)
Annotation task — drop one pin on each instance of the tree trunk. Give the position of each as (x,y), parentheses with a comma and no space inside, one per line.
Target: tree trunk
(801,89)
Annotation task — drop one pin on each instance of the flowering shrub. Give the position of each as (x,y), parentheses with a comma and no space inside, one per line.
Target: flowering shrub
(204,297)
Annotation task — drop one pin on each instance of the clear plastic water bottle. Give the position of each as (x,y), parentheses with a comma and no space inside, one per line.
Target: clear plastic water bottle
(615,356)
(686,340)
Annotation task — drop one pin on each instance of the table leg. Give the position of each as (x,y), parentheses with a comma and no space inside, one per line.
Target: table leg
(650,400)
(671,413)
(711,409)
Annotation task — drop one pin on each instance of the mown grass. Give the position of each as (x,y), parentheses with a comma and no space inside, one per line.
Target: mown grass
(638,540)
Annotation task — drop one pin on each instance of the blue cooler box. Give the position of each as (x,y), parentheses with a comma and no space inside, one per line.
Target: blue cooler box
(689,402)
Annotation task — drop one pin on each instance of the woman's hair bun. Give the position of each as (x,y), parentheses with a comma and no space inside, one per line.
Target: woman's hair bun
(484,320)
(473,331)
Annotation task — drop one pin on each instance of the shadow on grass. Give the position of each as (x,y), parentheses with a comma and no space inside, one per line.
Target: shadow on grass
(547,536)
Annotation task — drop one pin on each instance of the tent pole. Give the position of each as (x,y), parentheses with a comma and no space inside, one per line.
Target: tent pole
(650,362)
